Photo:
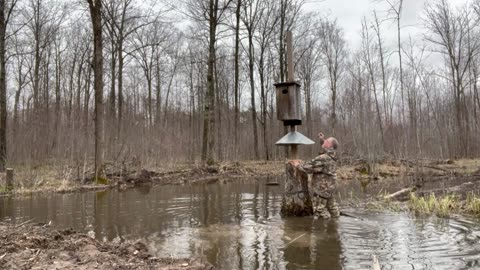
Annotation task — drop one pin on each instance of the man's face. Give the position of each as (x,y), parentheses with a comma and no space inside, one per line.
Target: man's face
(327,144)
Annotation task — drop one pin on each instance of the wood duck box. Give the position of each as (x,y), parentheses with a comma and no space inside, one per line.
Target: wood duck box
(288,103)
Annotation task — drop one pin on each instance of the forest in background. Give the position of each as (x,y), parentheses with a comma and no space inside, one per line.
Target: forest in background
(193,80)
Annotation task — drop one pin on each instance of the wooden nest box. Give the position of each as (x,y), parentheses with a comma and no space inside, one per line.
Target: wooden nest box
(288,103)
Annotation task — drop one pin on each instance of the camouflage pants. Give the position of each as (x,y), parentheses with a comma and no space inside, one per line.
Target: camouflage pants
(322,188)
(325,208)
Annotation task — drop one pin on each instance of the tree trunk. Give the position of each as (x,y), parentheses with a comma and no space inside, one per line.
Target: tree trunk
(58,73)
(281,41)
(261,73)
(96,14)
(36,68)
(382,67)
(237,75)
(169,89)
(399,47)
(113,62)
(158,89)
(70,88)
(149,101)
(3,88)
(218,123)
(251,55)
(120,85)
(17,100)
(384,81)
(308,105)
(209,118)
(333,115)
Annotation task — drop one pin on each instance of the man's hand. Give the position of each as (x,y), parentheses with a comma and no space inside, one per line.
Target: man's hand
(321,138)
(295,162)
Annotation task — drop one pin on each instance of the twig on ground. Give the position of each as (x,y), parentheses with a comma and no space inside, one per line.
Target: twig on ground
(295,239)
(25,222)
(35,256)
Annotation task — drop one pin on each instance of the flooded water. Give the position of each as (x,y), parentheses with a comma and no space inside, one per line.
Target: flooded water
(238,226)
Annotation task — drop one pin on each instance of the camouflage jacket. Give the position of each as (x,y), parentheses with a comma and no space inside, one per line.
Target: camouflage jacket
(323,170)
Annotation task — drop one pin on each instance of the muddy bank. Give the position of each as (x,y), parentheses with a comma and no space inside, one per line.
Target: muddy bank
(128,176)
(123,176)
(39,246)
(443,196)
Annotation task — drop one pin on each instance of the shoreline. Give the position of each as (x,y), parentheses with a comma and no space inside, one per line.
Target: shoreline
(224,172)
(458,177)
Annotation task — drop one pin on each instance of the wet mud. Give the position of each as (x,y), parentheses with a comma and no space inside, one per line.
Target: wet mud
(40,246)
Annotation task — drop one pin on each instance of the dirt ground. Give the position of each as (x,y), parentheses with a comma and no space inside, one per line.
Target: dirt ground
(39,246)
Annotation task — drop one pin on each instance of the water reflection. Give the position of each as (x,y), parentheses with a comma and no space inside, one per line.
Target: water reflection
(238,226)
(314,244)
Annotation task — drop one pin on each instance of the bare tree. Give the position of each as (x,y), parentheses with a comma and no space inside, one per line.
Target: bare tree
(251,13)
(264,37)
(450,31)
(395,8)
(237,75)
(309,68)
(181,92)
(372,66)
(287,13)
(21,58)
(123,19)
(332,46)
(96,15)
(146,46)
(212,13)
(6,10)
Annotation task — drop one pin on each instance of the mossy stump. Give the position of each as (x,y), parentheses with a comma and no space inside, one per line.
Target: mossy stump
(296,200)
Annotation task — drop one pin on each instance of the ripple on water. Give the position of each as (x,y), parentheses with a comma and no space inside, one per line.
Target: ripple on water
(238,226)
(403,242)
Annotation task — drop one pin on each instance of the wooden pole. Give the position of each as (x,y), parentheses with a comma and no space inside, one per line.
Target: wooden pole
(9,179)
(290,66)
(296,201)
(294,147)
(291,78)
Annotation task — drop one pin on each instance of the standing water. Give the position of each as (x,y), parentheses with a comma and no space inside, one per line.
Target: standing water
(238,226)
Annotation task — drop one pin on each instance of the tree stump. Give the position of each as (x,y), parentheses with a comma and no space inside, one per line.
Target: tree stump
(296,200)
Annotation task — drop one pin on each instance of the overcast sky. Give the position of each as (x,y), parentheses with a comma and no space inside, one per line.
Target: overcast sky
(350,13)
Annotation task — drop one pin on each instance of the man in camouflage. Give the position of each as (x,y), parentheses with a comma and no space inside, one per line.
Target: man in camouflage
(322,179)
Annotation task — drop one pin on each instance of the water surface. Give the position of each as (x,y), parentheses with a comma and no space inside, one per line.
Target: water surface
(238,226)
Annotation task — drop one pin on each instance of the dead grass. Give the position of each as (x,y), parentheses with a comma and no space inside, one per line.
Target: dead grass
(463,166)
(472,204)
(442,207)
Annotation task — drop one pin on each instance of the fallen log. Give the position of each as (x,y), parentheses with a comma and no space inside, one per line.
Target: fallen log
(401,195)
(461,190)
